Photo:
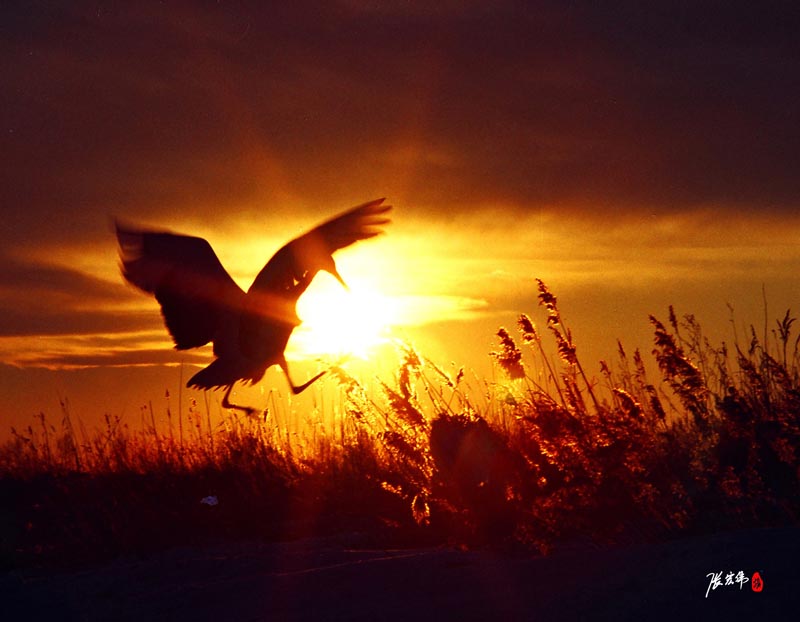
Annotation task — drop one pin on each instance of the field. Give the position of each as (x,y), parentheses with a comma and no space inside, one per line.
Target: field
(697,439)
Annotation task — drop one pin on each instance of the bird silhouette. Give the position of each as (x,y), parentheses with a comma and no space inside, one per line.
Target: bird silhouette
(201,303)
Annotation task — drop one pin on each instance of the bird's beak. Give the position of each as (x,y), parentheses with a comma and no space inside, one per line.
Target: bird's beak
(338,277)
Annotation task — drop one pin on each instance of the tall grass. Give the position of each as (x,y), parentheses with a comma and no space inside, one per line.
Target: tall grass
(695,438)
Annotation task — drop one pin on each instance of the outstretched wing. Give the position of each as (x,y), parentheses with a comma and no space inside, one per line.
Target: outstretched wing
(291,269)
(187,279)
(357,223)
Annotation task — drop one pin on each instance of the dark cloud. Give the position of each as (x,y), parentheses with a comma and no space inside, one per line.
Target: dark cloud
(32,280)
(150,108)
(57,317)
(16,321)
(38,299)
(119,358)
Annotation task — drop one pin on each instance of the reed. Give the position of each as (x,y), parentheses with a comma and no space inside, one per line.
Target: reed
(544,453)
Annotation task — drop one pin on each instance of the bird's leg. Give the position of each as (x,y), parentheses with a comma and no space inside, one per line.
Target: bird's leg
(296,390)
(226,404)
(305,385)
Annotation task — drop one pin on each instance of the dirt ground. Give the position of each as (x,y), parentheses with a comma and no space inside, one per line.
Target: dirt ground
(344,579)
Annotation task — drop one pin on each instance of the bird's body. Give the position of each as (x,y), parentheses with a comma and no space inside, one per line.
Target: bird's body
(201,303)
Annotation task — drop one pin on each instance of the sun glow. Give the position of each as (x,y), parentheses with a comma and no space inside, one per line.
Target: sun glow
(342,322)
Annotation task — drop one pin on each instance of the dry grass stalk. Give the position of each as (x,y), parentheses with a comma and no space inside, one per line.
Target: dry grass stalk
(530,462)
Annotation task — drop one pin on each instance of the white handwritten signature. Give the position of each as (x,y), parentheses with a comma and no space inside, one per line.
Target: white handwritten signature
(731,578)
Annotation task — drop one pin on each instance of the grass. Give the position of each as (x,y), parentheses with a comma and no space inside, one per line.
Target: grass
(698,438)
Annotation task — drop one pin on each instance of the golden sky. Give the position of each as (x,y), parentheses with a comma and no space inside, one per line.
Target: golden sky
(632,157)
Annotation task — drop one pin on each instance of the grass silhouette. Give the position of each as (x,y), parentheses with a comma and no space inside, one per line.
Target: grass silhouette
(544,455)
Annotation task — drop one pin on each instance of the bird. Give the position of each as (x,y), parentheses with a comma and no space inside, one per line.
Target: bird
(201,303)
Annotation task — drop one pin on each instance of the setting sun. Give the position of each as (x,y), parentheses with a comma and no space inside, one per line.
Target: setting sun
(342,322)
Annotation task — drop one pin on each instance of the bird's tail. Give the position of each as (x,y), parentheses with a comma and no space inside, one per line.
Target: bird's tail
(223,373)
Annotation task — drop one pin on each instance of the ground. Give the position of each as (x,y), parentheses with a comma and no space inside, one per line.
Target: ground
(345,578)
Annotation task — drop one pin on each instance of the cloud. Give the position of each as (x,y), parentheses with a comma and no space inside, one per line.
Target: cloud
(534,139)
(38,299)
(29,281)
(209,111)
(111,358)
(59,317)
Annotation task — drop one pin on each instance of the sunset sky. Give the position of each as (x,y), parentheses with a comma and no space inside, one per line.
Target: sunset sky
(633,155)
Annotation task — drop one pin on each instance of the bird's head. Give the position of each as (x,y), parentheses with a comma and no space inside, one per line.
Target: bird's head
(329,266)
(313,255)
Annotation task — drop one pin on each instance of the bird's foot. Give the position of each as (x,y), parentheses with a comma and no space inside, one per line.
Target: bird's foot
(255,413)
(250,411)
(247,410)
